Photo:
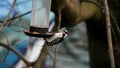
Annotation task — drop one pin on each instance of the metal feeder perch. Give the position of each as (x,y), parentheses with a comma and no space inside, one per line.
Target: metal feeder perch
(40,19)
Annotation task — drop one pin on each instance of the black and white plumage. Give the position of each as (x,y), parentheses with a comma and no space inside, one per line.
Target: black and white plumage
(57,37)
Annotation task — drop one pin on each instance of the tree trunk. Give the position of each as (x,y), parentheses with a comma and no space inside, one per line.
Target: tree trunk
(98,49)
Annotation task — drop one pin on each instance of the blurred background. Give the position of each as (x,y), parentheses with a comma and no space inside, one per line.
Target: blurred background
(73,51)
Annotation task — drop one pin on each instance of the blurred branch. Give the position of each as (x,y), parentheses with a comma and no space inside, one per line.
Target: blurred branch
(23,22)
(109,36)
(23,25)
(7,18)
(10,47)
(17,16)
(50,56)
(20,15)
(58,20)
(8,43)
(16,52)
(41,59)
(13,18)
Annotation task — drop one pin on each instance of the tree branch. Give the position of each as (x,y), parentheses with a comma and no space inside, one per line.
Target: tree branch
(20,16)
(41,59)
(17,16)
(58,20)
(17,53)
(7,18)
(109,38)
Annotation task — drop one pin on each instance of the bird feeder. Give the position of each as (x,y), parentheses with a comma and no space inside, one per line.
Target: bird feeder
(40,19)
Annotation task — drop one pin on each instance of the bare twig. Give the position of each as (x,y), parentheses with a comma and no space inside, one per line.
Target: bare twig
(50,56)
(9,47)
(41,59)
(109,38)
(8,43)
(55,56)
(115,22)
(23,23)
(7,18)
(16,52)
(13,18)
(18,16)
(59,20)
(56,46)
